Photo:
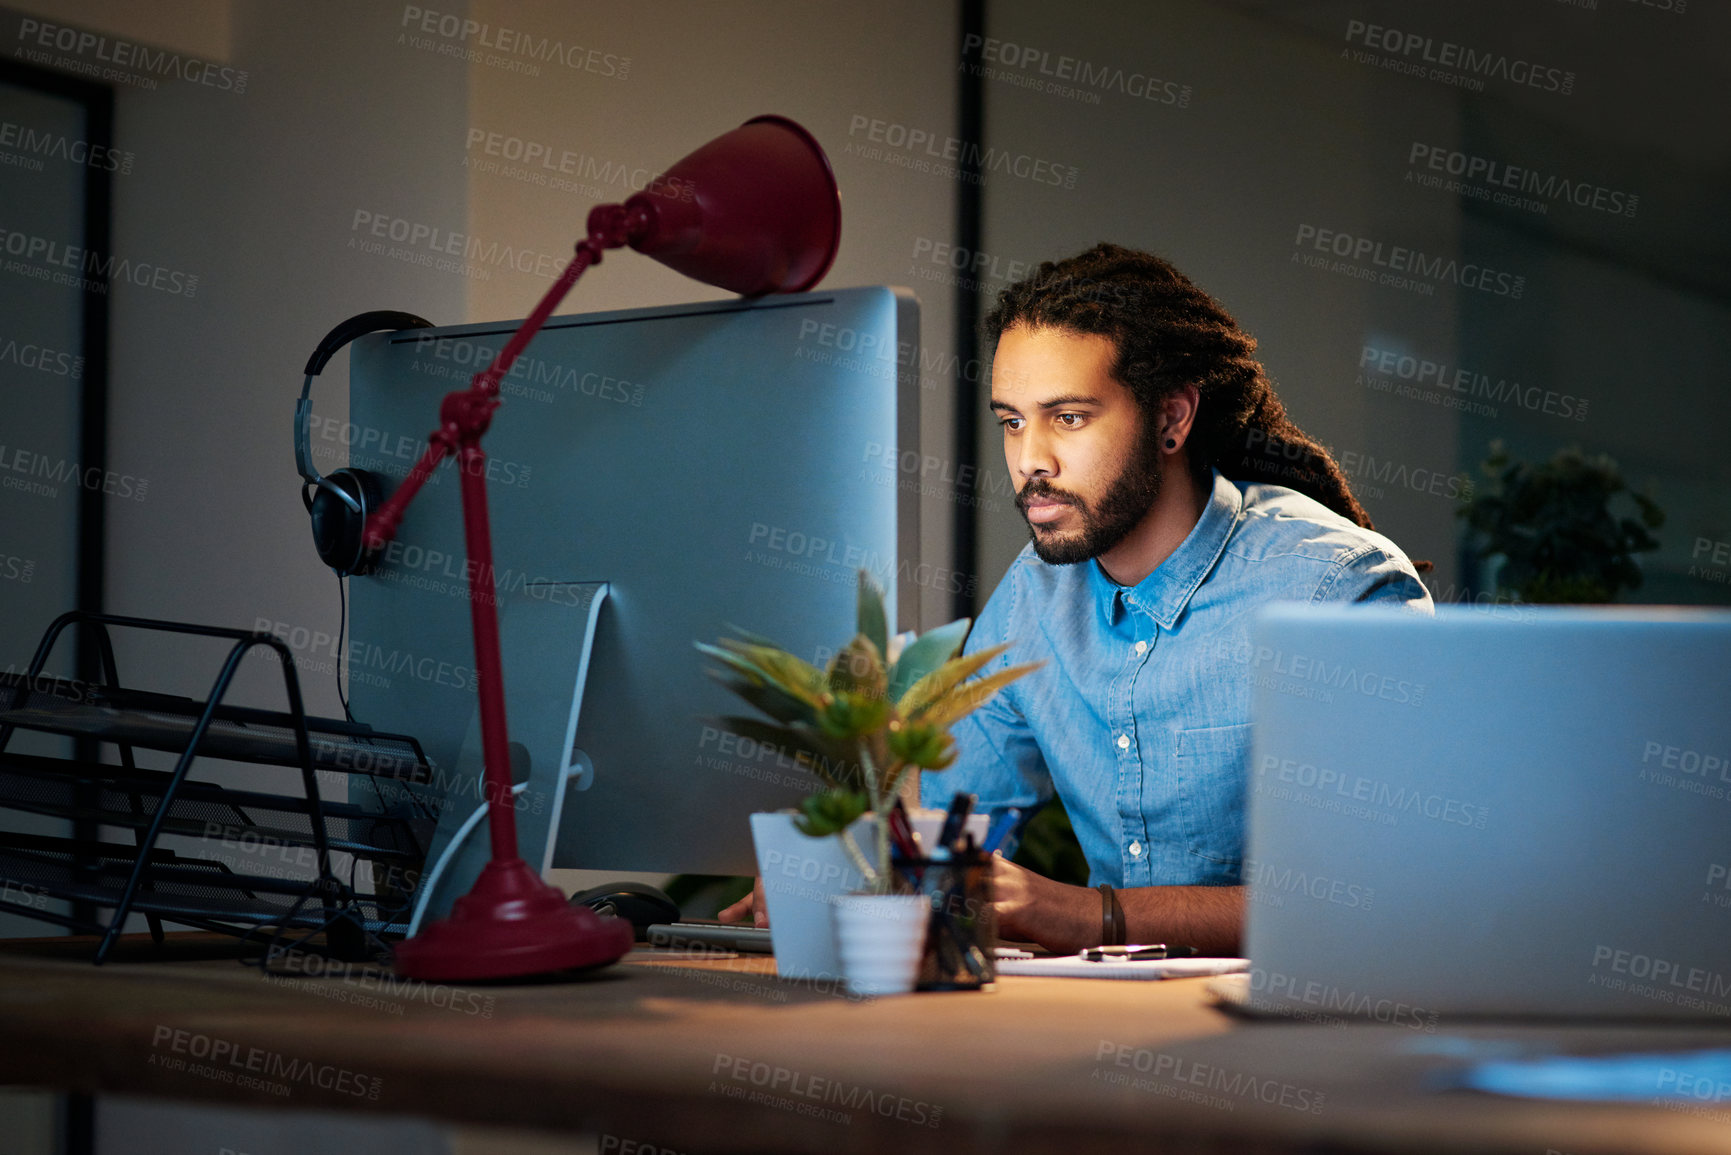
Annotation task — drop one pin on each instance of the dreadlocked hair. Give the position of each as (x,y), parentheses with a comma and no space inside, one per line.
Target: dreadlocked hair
(1168,334)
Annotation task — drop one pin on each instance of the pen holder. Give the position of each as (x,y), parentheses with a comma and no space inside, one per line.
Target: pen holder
(962,933)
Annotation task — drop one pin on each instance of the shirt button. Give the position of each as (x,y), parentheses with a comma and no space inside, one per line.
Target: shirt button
(1135,850)
(1141,647)
(1123,741)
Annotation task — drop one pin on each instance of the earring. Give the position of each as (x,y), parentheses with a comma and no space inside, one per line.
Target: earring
(1172,443)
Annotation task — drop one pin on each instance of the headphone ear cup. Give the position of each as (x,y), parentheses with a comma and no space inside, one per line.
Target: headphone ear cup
(337,529)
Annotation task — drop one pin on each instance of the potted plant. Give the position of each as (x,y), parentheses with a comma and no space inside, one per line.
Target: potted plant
(1553,526)
(880,711)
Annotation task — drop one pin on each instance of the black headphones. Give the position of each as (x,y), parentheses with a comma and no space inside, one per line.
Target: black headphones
(339,504)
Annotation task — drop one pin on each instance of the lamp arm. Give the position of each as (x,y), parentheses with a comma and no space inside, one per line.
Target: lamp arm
(464,416)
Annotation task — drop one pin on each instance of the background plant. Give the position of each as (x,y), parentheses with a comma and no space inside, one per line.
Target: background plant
(879,710)
(1554,527)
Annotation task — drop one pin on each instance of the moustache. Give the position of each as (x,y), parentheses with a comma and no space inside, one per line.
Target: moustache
(1039,488)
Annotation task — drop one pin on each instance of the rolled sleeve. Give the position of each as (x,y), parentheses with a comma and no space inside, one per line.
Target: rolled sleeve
(1373,575)
(997,758)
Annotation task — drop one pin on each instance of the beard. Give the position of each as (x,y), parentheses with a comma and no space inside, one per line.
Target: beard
(1105,522)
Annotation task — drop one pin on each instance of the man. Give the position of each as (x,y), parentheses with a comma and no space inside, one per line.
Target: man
(1168,497)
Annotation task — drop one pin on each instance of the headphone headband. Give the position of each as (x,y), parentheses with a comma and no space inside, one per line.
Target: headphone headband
(339,504)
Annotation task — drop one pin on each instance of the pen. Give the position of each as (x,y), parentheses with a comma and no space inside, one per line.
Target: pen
(960,807)
(1137,953)
(901,832)
(1000,829)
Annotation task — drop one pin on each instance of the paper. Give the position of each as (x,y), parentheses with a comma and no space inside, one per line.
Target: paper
(1075,967)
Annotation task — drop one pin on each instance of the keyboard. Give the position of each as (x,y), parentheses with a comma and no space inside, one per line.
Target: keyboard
(727,936)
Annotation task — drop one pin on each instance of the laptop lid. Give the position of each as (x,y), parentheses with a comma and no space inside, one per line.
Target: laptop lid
(1501,810)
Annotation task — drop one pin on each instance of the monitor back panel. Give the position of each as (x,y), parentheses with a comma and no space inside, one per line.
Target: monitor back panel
(716,464)
(1517,810)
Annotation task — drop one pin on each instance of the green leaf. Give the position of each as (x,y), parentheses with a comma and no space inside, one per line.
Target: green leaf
(858,669)
(850,717)
(970,696)
(836,764)
(921,744)
(829,813)
(872,621)
(753,638)
(945,678)
(925,654)
(799,678)
(771,699)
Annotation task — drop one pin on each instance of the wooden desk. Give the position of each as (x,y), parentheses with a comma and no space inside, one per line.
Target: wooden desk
(717,1055)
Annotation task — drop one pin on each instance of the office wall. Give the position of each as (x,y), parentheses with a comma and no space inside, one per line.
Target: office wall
(1269,133)
(648,91)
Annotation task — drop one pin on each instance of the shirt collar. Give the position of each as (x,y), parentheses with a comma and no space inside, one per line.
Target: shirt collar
(1163,594)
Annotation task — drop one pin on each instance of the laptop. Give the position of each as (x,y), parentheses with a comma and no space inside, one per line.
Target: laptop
(1504,810)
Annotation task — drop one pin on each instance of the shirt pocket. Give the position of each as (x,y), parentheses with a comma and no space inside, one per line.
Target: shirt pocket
(1212,764)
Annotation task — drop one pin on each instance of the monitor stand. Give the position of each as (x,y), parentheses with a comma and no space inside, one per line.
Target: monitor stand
(546,633)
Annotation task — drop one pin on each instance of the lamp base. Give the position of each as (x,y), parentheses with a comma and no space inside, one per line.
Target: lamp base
(511,924)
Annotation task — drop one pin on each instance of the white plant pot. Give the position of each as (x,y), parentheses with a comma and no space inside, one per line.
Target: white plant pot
(880,938)
(804,877)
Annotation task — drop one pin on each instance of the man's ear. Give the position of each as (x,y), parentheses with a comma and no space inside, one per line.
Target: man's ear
(1177,417)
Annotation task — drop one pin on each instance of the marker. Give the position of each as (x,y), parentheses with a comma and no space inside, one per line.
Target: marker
(1000,829)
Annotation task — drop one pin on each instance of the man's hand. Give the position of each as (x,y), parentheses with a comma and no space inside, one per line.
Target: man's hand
(1067,918)
(1033,908)
(751,906)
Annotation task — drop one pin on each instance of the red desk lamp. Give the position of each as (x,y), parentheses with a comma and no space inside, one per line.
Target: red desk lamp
(755,211)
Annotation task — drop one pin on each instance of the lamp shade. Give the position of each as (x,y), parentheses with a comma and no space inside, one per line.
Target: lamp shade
(754,211)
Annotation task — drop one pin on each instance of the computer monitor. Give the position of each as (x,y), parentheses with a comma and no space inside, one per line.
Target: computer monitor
(718,464)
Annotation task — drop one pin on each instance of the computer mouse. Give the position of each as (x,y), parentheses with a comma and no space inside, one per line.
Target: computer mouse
(638,903)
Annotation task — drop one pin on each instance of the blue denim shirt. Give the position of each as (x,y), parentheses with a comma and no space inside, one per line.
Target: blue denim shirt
(1140,718)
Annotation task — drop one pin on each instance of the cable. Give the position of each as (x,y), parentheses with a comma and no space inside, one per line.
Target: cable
(342,650)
